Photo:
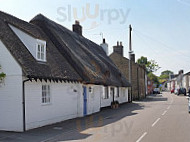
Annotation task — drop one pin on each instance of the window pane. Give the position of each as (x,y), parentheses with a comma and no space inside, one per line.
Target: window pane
(38,48)
(46,94)
(42,48)
(42,56)
(41,52)
(38,55)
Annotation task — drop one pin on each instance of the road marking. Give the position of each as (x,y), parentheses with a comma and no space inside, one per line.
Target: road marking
(155,122)
(164,112)
(168,107)
(142,137)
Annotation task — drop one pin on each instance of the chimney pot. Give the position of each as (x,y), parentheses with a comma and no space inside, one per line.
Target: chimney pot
(77,28)
(77,22)
(104,41)
(118,48)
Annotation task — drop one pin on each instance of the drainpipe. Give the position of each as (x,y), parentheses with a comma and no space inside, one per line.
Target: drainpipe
(138,83)
(145,83)
(113,94)
(23,104)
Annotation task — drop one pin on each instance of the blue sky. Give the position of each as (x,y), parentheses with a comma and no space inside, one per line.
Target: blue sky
(161,28)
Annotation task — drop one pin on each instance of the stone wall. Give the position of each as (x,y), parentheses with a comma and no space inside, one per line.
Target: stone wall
(138,75)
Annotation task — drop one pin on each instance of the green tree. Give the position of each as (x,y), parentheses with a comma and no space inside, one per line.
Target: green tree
(165,75)
(166,72)
(142,60)
(2,75)
(151,65)
(154,78)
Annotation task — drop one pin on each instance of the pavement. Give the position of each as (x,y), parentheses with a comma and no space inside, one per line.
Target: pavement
(160,117)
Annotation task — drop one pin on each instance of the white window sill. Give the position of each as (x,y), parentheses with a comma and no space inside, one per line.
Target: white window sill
(46,104)
(105,98)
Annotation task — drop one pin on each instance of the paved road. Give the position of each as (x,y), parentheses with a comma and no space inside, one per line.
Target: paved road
(159,118)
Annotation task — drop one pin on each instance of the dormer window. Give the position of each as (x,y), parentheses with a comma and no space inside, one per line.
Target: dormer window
(41,50)
(36,47)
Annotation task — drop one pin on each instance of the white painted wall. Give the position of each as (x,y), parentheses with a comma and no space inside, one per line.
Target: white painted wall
(65,103)
(123,96)
(105,47)
(169,86)
(10,93)
(93,98)
(184,81)
(188,81)
(106,102)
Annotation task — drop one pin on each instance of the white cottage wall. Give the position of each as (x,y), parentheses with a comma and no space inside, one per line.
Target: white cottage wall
(123,95)
(66,103)
(106,101)
(94,97)
(11,118)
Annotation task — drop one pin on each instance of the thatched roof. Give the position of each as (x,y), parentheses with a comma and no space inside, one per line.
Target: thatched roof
(69,55)
(56,68)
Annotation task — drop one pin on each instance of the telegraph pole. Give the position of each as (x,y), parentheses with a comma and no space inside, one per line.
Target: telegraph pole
(130,64)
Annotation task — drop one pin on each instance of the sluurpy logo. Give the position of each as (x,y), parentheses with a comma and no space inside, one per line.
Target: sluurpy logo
(186,2)
(95,15)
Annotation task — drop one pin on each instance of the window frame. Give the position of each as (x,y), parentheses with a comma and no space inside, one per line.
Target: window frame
(45,99)
(117,94)
(41,50)
(106,93)
(112,90)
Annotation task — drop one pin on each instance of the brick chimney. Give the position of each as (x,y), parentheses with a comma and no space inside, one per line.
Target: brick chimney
(77,28)
(118,48)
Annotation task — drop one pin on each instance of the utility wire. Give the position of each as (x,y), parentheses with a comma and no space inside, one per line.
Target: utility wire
(168,47)
(152,49)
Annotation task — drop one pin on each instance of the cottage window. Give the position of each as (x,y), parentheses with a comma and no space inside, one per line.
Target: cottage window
(41,51)
(123,91)
(106,95)
(46,94)
(112,91)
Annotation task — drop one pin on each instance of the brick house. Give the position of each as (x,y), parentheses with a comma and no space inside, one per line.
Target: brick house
(138,71)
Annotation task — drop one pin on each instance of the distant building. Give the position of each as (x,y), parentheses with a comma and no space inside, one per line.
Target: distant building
(186,80)
(138,80)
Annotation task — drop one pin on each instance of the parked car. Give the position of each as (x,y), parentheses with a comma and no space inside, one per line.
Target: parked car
(172,91)
(182,91)
(156,91)
(176,91)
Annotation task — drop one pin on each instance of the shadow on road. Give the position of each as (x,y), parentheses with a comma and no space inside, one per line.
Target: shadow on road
(155,97)
(74,129)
